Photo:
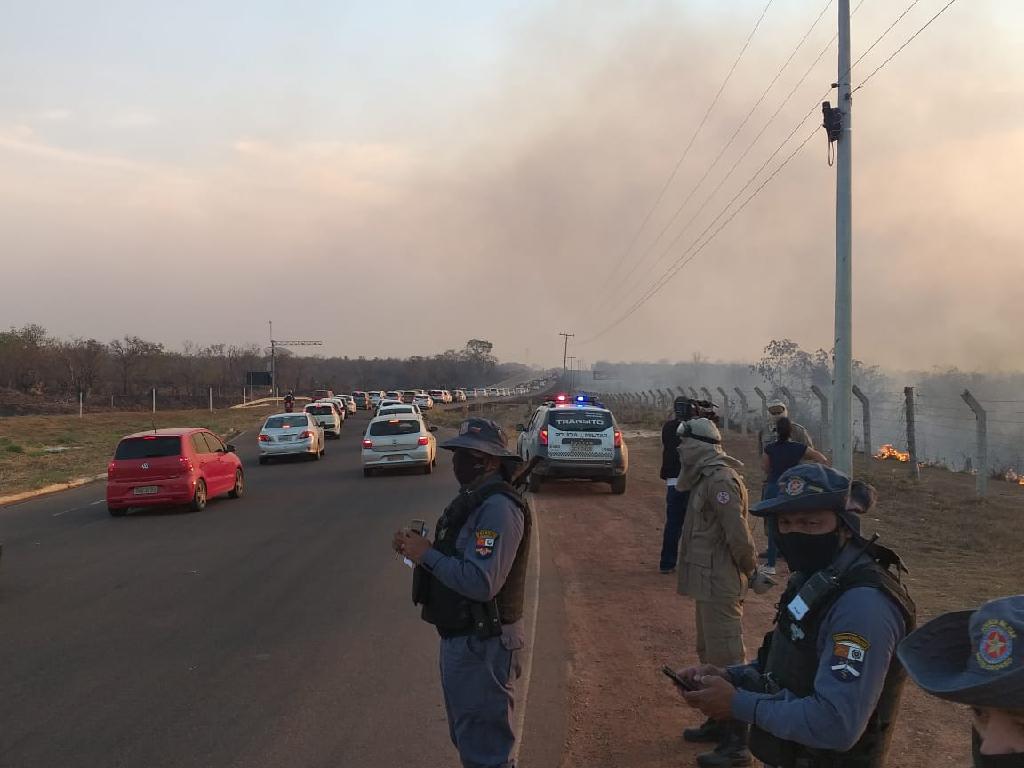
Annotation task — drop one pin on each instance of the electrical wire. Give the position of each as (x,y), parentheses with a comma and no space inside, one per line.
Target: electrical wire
(725,148)
(689,145)
(906,42)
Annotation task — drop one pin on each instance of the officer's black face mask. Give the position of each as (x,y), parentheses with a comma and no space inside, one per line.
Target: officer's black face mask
(468,467)
(808,552)
(1012,760)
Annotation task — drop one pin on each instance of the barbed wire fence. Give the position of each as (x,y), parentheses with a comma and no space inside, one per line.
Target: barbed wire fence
(961,432)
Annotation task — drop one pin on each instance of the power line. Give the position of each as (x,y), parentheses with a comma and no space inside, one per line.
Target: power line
(684,260)
(689,145)
(906,42)
(728,144)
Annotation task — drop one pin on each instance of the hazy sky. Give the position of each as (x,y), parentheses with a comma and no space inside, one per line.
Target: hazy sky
(398,177)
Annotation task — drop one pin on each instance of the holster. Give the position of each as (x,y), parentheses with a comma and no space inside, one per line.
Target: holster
(486,620)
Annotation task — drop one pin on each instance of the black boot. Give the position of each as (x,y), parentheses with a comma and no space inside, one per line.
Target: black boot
(710,731)
(731,751)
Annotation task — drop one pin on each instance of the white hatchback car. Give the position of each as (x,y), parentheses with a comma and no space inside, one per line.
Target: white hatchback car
(327,415)
(290,434)
(398,409)
(399,440)
(425,402)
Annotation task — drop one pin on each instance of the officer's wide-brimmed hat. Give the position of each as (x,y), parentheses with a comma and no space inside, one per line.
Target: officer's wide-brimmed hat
(971,657)
(807,488)
(481,435)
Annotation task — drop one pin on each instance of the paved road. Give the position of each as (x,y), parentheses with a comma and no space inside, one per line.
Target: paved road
(274,630)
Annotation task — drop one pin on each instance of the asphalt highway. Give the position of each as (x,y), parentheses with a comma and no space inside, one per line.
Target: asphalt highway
(273,630)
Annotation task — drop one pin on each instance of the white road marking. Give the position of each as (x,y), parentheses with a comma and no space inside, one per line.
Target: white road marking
(532,632)
(75,509)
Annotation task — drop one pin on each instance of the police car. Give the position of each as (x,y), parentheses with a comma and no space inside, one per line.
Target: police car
(574,437)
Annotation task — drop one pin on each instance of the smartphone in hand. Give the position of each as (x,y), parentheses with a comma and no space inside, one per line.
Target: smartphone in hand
(678,680)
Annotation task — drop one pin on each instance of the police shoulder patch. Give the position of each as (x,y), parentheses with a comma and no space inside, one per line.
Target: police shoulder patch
(849,650)
(485,540)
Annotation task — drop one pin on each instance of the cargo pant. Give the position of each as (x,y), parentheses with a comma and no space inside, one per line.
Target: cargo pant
(478,678)
(720,632)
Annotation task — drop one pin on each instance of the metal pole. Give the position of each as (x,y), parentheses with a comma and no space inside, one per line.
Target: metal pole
(981,446)
(725,409)
(915,469)
(565,351)
(764,405)
(707,394)
(154,399)
(743,409)
(823,434)
(211,398)
(842,445)
(866,405)
(81,404)
(693,394)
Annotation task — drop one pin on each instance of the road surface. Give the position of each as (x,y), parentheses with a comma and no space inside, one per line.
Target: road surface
(273,630)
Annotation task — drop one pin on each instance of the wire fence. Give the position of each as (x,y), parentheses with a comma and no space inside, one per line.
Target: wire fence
(977,435)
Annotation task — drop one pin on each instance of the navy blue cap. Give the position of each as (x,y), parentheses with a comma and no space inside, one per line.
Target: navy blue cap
(481,435)
(807,488)
(971,657)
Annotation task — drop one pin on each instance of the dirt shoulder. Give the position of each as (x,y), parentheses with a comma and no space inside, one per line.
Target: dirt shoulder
(39,451)
(625,619)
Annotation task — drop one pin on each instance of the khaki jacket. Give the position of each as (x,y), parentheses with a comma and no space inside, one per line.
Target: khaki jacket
(717,552)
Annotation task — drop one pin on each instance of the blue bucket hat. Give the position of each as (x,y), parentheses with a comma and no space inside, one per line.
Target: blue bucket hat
(971,657)
(806,488)
(481,435)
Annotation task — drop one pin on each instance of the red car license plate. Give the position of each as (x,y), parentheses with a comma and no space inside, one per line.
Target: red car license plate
(146,490)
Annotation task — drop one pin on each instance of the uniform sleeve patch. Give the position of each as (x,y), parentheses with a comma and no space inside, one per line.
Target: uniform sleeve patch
(485,540)
(723,497)
(849,651)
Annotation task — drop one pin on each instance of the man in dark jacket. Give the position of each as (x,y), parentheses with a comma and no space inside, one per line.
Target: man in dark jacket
(675,500)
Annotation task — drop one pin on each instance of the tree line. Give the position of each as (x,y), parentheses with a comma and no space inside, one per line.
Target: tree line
(36,364)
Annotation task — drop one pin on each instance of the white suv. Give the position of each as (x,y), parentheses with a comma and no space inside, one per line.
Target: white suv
(574,439)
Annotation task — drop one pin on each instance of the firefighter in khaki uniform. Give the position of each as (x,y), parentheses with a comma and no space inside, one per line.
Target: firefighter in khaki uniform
(716,556)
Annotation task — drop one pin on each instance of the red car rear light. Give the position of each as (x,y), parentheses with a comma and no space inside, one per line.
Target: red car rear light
(367,443)
(264,438)
(543,436)
(110,468)
(618,439)
(185,463)
(305,434)
(424,441)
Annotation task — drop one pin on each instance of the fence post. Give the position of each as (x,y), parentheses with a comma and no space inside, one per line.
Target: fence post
(154,399)
(693,393)
(211,399)
(823,399)
(743,409)
(784,391)
(81,404)
(866,406)
(981,445)
(764,405)
(725,409)
(707,394)
(915,470)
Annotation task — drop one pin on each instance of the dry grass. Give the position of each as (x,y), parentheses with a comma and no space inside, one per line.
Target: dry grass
(25,465)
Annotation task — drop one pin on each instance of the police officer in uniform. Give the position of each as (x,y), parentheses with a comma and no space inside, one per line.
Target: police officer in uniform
(470,581)
(977,658)
(798,434)
(825,688)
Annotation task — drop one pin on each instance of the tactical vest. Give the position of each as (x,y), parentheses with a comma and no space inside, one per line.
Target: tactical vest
(451,612)
(789,659)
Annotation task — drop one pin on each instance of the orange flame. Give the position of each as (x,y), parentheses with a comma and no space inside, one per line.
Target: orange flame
(888,451)
(1012,476)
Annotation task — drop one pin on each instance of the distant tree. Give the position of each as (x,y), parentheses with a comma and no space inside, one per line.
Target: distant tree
(82,362)
(129,353)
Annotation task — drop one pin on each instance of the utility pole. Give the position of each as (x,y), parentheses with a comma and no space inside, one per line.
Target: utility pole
(565,351)
(842,444)
(274,344)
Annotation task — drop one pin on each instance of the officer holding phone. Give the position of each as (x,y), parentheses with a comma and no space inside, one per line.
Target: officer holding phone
(471,582)
(825,688)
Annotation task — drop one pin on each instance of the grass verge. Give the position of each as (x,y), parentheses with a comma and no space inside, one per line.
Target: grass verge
(28,460)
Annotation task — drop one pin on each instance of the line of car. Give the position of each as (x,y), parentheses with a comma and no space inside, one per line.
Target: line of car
(191,465)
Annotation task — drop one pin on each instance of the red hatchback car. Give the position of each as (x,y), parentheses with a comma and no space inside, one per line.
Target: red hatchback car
(172,466)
